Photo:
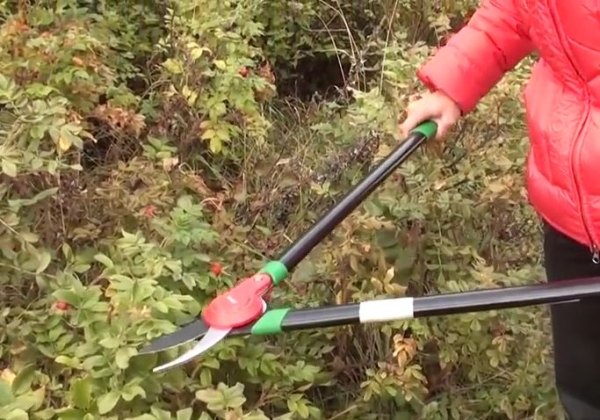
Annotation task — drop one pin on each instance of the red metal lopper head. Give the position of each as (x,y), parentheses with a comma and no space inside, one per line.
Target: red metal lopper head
(239,306)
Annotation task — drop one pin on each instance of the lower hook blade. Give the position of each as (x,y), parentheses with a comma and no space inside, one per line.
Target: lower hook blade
(211,339)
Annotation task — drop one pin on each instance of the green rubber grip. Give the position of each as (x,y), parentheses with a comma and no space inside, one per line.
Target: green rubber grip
(276,270)
(270,323)
(428,129)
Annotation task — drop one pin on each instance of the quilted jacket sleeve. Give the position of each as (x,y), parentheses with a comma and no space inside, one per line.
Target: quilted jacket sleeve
(493,42)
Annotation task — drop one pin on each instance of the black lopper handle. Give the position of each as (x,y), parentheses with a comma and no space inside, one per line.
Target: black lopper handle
(324,226)
(278,321)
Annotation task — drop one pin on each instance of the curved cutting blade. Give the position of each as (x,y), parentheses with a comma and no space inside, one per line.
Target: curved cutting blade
(212,338)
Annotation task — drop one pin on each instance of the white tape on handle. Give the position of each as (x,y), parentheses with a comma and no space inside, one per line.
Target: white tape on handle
(386,310)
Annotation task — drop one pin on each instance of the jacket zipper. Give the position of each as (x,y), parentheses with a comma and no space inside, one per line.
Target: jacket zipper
(576,152)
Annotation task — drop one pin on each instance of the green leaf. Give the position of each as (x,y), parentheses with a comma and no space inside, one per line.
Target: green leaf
(110,342)
(17,414)
(234,396)
(22,382)
(208,134)
(43,194)
(130,391)
(93,361)
(70,414)
(143,363)
(68,361)
(212,363)
(46,414)
(160,414)
(257,415)
(123,355)
(107,402)
(24,202)
(185,414)
(29,237)
(372,208)
(205,377)
(68,296)
(104,260)
(142,417)
(214,400)
(44,261)
(197,52)
(302,410)
(39,90)
(6,395)
(81,393)
(236,402)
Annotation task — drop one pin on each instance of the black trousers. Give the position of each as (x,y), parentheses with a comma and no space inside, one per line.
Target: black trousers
(575,328)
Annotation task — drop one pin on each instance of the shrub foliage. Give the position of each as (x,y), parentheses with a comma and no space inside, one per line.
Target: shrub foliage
(142,142)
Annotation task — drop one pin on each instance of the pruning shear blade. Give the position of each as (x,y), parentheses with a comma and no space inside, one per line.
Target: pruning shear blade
(189,332)
(212,338)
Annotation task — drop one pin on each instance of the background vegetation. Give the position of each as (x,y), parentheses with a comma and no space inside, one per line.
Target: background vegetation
(143,144)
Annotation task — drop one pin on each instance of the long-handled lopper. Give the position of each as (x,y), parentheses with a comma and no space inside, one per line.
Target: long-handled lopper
(278,321)
(243,311)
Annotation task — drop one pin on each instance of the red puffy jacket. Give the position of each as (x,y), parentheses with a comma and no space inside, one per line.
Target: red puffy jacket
(562,98)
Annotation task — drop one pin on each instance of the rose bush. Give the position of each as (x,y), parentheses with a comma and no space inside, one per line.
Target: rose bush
(152,154)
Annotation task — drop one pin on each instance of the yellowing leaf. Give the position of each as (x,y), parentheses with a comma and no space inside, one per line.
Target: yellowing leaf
(68,137)
(169,163)
(186,91)
(389,275)
(173,66)
(208,134)
(220,64)
(191,100)
(63,144)
(8,376)
(496,187)
(216,145)
(197,52)
(68,361)
(9,168)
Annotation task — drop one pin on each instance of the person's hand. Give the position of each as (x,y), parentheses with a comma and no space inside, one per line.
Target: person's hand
(435,106)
